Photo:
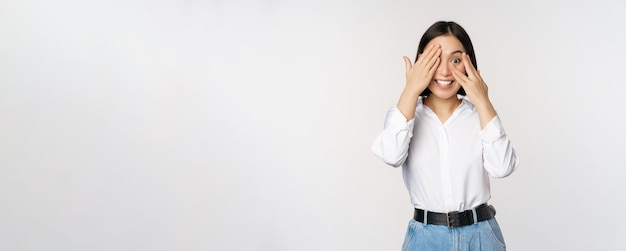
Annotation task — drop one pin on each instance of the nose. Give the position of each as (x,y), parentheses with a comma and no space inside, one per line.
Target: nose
(443,70)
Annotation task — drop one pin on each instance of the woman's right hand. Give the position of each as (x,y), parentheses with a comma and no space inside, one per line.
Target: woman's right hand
(419,76)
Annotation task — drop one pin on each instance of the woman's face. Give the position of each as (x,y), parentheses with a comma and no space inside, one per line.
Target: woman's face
(443,85)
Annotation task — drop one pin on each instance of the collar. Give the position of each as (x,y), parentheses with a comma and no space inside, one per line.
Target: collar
(464,101)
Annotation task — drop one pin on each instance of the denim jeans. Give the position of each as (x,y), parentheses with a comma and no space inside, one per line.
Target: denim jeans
(484,235)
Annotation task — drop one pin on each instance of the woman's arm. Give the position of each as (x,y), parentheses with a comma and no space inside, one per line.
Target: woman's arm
(499,157)
(418,78)
(476,90)
(392,144)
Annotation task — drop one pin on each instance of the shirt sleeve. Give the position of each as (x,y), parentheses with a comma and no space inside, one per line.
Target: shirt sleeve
(500,159)
(392,144)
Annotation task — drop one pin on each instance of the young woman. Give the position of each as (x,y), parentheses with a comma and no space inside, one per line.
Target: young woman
(447,137)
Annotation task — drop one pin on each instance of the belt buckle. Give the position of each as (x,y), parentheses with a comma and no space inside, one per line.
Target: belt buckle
(453,219)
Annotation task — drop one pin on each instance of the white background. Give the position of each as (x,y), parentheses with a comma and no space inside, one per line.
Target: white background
(246,125)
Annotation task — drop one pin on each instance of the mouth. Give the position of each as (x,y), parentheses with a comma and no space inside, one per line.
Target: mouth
(444,83)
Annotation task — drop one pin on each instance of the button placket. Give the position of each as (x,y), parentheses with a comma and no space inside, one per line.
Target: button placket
(444,160)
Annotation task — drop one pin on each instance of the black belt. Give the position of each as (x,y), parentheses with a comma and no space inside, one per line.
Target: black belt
(457,219)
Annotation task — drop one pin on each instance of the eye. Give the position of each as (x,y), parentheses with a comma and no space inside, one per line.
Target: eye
(455,60)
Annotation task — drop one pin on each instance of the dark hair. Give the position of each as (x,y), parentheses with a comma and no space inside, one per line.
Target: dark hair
(447,28)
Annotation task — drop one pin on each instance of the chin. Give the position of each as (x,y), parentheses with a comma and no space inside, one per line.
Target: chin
(448,94)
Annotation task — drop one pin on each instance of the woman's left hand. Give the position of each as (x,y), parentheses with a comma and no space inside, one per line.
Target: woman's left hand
(476,90)
(473,83)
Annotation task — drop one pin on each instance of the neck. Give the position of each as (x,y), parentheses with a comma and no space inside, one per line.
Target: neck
(442,106)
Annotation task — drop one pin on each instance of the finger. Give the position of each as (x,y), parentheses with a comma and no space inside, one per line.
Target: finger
(469,67)
(435,58)
(420,56)
(459,76)
(428,54)
(408,64)
(433,68)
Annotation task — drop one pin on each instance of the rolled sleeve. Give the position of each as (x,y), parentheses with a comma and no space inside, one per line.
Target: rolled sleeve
(396,119)
(493,131)
(500,159)
(392,144)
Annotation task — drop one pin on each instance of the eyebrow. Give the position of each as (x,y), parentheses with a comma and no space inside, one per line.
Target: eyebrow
(457,51)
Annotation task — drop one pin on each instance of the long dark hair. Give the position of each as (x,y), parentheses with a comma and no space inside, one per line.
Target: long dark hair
(447,28)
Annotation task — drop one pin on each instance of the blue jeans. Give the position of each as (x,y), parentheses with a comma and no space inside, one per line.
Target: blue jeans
(484,235)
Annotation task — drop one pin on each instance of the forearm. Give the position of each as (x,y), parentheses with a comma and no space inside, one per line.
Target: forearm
(392,144)
(486,112)
(408,102)
(500,159)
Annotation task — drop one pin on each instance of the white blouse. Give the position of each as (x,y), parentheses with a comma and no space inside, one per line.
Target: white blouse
(446,167)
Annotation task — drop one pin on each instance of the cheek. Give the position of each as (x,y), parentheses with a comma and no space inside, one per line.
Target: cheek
(461,68)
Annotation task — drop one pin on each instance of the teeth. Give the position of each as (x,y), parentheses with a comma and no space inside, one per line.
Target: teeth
(444,83)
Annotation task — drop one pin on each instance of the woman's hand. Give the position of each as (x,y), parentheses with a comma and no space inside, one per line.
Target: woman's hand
(419,76)
(476,90)
(473,83)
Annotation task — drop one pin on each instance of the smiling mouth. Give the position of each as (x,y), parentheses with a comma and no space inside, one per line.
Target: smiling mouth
(444,83)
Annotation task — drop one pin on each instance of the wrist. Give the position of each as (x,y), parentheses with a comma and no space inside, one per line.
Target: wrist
(481,103)
(412,89)
(485,107)
(411,93)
